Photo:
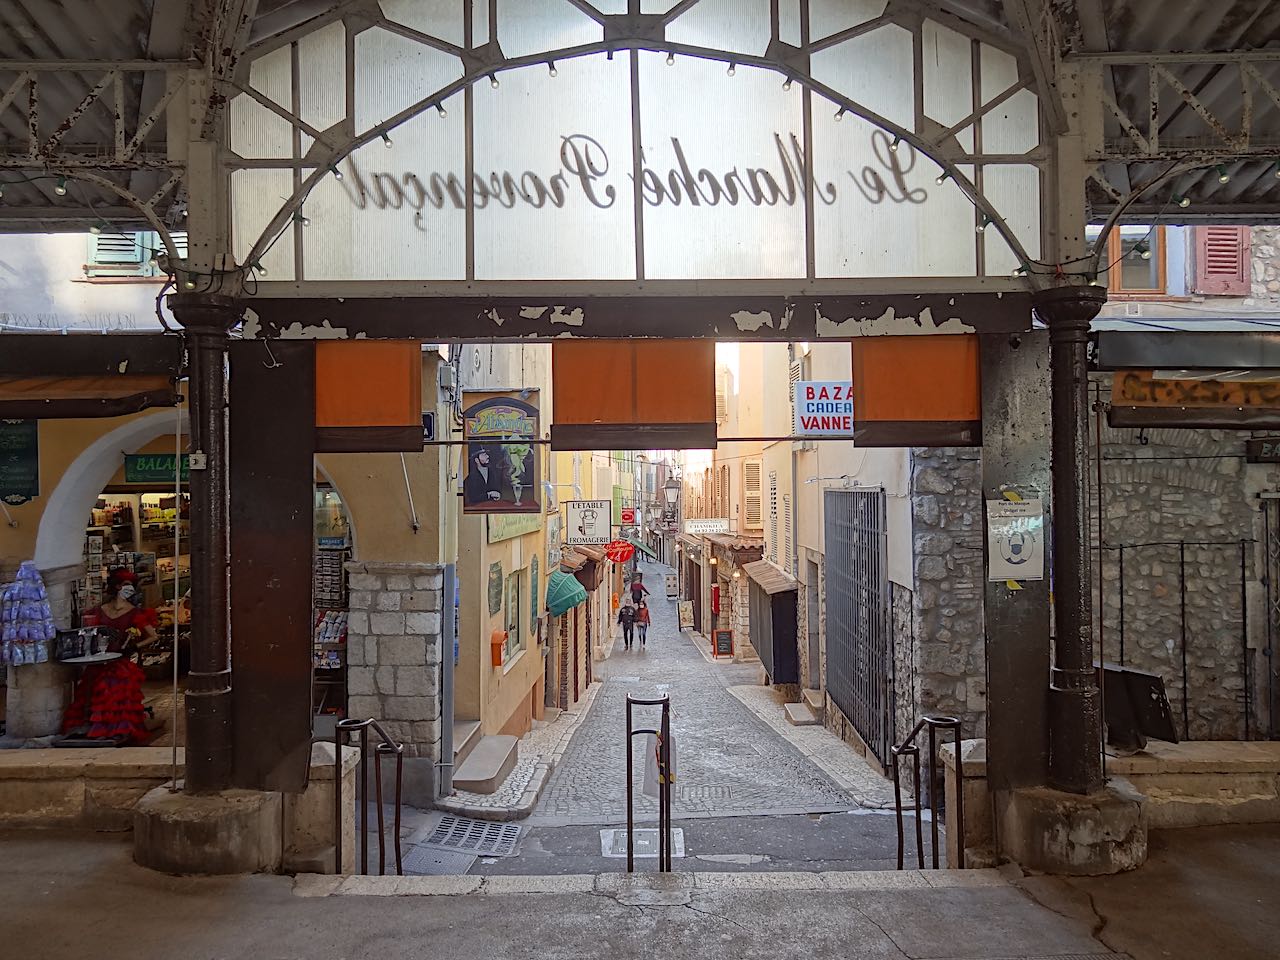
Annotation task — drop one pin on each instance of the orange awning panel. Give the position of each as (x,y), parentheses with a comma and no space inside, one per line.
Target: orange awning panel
(917,391)
(633,394)
(368,395)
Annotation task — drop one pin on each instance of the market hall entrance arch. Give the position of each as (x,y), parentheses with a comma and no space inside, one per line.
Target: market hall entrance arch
(781,170)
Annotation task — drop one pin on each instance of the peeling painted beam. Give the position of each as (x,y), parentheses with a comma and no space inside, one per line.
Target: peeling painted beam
(710,317)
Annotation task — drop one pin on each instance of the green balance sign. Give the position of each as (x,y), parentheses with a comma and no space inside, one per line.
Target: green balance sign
(152,468)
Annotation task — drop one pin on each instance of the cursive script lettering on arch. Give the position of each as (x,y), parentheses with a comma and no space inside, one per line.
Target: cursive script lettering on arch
(586,173)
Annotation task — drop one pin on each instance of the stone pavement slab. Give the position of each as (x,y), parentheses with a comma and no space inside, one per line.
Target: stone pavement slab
(80,897)
(1206,892)
(730,762)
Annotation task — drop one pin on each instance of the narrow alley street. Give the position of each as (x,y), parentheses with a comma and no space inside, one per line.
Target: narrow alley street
(745,797)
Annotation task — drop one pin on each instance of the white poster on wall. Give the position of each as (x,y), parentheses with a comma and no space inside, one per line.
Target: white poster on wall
(588,522)
(1015,540)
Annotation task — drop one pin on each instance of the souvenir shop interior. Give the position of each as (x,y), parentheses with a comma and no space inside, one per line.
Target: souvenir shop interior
(133,605)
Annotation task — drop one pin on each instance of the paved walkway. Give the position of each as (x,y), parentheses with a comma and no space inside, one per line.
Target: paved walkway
(80,897)
(729,761)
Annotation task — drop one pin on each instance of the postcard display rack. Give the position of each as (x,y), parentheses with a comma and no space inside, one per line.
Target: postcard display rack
(329,643)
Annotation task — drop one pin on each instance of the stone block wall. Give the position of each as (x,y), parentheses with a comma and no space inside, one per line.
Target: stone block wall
(906,683)
(802,614)
(949,668)
(1266,263)
(394,650)
(1191,487)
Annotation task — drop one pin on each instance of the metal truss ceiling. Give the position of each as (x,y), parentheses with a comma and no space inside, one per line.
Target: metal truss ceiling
(1207,106)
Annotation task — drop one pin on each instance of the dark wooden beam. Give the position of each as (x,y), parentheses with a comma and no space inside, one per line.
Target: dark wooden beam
(89,354)
(745,317)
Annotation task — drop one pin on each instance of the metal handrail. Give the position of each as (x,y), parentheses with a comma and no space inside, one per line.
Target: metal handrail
(908,747)
(385,746)
(663,733)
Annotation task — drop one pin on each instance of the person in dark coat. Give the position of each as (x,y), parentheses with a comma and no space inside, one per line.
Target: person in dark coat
(627,617)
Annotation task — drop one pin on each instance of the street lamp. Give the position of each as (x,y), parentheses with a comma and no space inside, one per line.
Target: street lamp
(671,490)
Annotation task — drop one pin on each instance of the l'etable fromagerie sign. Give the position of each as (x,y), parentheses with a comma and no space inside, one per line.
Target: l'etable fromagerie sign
(587,171)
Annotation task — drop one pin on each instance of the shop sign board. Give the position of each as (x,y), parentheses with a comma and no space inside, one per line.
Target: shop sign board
(501,472)
(685,608)
(588,522)
(19,461)
(706,526)
(508,526)
(628,517)
(153,468)
(553,541)
(1015,540)
(1265,450)
(673,586)
(824,408)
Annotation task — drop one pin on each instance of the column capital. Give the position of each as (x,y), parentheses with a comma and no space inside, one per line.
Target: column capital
(208,313)
(1069,308)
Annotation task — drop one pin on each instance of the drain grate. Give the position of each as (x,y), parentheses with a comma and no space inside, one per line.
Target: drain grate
(705,793)
(480,837)
(429,862)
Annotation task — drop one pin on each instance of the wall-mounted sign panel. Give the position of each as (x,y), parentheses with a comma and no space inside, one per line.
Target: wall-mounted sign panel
(19,460)
(588,522)
(714,525)
(501,472)
(1015,540)
(824,408)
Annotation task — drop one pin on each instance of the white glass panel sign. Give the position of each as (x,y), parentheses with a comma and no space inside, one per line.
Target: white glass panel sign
(824,408)
(587,521)
(631,166)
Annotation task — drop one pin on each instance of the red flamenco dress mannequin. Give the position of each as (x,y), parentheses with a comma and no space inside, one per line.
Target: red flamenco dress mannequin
(108,697)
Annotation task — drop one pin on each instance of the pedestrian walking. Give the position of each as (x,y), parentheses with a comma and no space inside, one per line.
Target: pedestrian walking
(642,622)
(638,590)
(627,617)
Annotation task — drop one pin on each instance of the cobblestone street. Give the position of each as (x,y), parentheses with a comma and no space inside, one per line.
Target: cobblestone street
(729,761)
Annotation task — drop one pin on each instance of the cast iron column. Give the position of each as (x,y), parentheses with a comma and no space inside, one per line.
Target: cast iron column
(206,319)
(1075,714)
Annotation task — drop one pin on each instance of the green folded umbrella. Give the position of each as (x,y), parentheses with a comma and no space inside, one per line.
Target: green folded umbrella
(564,592)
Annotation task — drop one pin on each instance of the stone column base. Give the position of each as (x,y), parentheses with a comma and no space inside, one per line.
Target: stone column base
(38,698)
(1072,835)
(235,831)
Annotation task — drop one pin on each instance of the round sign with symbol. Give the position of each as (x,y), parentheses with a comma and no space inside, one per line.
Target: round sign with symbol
(619,551)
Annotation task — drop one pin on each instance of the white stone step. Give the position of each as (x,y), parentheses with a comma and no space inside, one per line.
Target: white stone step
(799,715)
(816,700)
(487,765)
(466,734)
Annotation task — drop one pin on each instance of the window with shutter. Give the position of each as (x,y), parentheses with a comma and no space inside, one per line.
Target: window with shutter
(786,561)
(773,515)
(116,254)
(722,397)
(1222,261)
(717,492)
(752,495)
(794,375)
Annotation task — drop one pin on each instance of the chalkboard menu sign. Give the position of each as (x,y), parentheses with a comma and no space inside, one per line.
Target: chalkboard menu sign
(722,643)
(19,460)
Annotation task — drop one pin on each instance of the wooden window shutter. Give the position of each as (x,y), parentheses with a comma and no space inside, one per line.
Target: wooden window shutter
(785,561)
(752,495)
(773,515)
(1222,261)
